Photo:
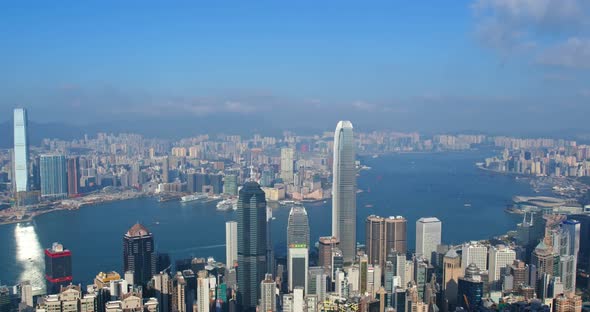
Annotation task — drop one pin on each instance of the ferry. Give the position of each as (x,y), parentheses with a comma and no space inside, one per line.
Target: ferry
(193,197)
(227,204)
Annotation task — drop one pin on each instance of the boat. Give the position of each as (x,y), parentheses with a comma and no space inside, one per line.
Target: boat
(193,197)
(287,202)
(467,205)
(227,204)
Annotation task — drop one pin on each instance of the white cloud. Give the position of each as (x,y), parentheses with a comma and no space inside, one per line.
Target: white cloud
(573,53)
(516,26)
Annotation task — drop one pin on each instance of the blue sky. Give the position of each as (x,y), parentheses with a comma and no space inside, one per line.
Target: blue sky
(417,64)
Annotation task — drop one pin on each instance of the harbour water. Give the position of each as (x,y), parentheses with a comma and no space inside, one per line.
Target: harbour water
(469,202)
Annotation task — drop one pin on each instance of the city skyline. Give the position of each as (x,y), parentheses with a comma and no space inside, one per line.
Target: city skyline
(197,157)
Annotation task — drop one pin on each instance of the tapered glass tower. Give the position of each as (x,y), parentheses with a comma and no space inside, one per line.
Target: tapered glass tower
(344,191)
(21,150)
(251,244)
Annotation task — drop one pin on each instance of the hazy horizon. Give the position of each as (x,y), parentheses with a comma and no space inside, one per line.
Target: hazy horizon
(489,66)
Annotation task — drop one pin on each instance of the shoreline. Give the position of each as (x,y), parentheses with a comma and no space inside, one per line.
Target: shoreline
(33,215)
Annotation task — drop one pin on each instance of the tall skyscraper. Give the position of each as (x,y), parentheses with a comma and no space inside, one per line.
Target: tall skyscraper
(21,150)
(344,190)
(500,257)
(326,245)
(544,259)
(474,252)
(190,290)
(203,287)
(298,227)
(165,170)
(270,254)
(161,283)
(230,184)
(383,236)
(428,236)
(451,273)
(572,228)
(139,256)
(298,264)
(298,247)
(268,288)
(231,243)
(58,268)
(287,164)
(470,289)
(54,179)
(73,176)
(251,244)
(26,297)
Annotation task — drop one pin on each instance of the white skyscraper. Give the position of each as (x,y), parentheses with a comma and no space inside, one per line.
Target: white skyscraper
(203,291)
(297,266)
(399,266)
(287,164)
(268,288)
(298,299)
(21,150)
(231,243)
(500,257)
(344,191)
(474,252)
(428,236)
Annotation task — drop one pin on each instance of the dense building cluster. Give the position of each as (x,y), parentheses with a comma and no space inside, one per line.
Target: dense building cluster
(534,267)
(556,158)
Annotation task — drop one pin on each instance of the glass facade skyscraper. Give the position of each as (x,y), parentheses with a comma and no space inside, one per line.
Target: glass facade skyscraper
(54,179)
(252,246)
(139,255)
(230,184)
(21,150)
(58,268)
(298,227)
(298,247)
(470,289)
(344,191)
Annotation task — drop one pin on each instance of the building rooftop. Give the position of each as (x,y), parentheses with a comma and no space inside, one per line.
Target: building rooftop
(138,230)
(344,124)
(429,220)
(452,253)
